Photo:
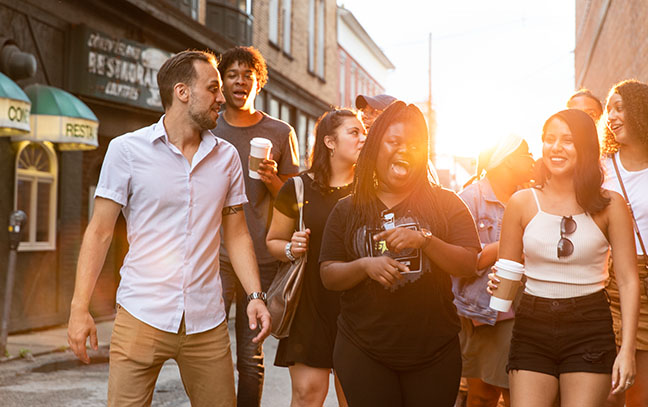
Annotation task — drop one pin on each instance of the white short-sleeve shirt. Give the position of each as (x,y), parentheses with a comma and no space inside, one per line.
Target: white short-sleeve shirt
(173,217)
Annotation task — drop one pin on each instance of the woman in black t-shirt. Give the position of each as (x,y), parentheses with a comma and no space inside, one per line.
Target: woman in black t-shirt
(390,248)
(308,349)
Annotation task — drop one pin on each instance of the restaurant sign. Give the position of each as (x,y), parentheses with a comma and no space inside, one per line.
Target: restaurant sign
(14,116)
(115,69)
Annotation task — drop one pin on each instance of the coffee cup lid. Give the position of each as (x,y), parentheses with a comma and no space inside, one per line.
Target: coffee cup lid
(509,265)
(261,142)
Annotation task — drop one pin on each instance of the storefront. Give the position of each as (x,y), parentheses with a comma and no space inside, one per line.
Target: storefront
(95,78)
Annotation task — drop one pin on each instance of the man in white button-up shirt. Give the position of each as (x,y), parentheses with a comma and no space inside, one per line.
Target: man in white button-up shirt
(176,184)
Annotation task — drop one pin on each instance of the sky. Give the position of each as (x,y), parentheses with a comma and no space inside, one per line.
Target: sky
(498,66)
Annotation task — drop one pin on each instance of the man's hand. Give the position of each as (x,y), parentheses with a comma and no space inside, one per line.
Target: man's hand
(80,327)
(267,170)
(257,312)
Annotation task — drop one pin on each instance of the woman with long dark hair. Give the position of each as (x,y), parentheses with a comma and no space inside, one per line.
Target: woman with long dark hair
(390,249)
(625,146)
(308,349)
(562,229)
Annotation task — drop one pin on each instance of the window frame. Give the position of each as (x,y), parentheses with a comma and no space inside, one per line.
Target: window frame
(36,177)
(321,39)
(311,36)
(286,23)
(273,22)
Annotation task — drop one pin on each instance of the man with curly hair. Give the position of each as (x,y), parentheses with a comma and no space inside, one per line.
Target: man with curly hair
(244,74)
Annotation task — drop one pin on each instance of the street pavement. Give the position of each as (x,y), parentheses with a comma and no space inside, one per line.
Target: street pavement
(49,375)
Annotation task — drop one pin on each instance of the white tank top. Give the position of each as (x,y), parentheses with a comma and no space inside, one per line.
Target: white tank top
(636,185)
(582,273)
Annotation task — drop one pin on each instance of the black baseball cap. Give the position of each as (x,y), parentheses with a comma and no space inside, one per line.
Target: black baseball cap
(378,102)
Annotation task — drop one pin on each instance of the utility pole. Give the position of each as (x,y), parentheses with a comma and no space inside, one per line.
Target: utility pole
(430,113)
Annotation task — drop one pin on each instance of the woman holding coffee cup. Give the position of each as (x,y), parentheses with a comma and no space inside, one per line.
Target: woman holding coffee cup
(625,146)
(562,229)
(308,349)
(390,248)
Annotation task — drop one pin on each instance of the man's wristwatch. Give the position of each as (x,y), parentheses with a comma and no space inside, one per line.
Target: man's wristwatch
(258,295)
(288,253)
(427,235)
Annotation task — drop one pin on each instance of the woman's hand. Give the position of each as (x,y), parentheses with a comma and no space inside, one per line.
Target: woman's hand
(384,270)
(492,281)
(623,371)
(400,238)
(299,242)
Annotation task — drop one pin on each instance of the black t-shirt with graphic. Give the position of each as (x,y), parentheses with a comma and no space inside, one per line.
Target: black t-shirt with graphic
(406,325)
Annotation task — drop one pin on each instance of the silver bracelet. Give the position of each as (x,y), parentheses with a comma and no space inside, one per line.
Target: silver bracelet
(288,252)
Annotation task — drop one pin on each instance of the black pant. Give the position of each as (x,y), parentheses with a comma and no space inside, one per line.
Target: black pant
(368,382)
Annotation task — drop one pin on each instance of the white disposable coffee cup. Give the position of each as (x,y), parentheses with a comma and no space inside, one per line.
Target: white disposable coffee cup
(509,273)
(259,150)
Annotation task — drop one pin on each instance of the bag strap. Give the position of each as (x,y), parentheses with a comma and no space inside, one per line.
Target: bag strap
(634,221)
(299,194)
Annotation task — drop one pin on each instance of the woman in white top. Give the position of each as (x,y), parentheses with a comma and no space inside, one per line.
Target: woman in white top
(626,144)
(563,343)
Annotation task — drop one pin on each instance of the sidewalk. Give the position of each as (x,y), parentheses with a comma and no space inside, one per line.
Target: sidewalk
(50,340)
(47,350)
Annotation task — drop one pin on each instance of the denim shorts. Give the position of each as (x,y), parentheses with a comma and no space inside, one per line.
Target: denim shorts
(565,335)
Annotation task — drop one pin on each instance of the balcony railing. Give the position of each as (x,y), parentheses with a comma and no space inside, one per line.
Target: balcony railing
(229,21)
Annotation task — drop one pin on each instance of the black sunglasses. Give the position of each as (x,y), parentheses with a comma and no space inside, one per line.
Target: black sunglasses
(567,227)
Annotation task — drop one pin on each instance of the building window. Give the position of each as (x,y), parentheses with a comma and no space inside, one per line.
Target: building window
(286,18)
(280,24)
(35,194)
(316,40)
(285,113)
(352,82)
(311,35)
(273,22)
(342,80)
(320,38)
(189,7)
(273,108)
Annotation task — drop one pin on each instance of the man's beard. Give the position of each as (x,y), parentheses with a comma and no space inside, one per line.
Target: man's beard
(202,119)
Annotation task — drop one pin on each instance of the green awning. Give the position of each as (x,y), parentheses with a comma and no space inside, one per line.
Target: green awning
(57,102)
(60,117)
(14,108)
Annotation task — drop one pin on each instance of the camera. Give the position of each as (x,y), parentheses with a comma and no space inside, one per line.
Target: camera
(409,257)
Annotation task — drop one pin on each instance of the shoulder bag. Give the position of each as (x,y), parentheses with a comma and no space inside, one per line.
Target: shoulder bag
(284,292)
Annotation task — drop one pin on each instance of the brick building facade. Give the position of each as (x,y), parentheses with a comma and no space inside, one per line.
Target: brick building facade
(610,43)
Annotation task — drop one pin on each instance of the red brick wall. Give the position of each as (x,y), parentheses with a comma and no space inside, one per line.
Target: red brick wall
(295,65)
(621,51)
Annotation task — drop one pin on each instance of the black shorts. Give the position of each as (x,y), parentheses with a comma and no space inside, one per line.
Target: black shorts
(555,336)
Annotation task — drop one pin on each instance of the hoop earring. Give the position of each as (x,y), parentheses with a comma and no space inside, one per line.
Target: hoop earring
(375,180)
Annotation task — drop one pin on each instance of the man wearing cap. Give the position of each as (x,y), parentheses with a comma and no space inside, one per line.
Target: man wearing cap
(244,74)
(372,106)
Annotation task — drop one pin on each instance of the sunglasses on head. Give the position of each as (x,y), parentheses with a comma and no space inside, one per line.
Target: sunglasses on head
(567,227)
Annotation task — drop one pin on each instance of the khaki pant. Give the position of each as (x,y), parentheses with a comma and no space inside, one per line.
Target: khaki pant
(138,351)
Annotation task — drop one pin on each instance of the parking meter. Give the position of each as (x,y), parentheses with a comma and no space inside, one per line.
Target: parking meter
(17,220)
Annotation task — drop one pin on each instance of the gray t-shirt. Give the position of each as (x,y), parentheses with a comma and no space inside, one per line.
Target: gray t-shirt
(258,210)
